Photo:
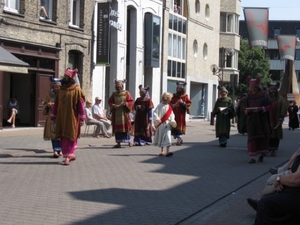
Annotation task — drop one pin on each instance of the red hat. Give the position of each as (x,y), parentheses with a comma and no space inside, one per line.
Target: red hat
(254,82)
(71,73)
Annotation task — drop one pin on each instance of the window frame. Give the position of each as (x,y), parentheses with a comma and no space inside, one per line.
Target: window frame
(8,6)
(75,15)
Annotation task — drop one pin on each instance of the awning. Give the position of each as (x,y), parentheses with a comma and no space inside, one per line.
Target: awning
(10,63)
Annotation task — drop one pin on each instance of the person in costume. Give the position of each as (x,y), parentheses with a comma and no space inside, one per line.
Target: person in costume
(69,113)
(143,107)
(47,109)
(224,110)
(241,116)
(121,104)
(293,115)
(163,121)
(181,104)
(257,107)
(276,115)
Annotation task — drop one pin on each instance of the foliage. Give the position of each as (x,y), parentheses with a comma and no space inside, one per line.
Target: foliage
(253,63)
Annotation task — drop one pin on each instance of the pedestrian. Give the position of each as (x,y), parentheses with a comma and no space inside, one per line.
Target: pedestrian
(224,110)
(163,121)
(143,107)
(276,116)
(99,113)
(293,115)
(13,107)
(241,116)
(49,132)
(121,104)
(257,106)
(181,104)
(68,111)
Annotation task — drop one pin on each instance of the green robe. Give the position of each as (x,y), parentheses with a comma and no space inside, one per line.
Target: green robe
(223,117)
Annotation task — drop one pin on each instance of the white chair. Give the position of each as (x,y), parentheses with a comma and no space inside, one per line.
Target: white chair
(87,129)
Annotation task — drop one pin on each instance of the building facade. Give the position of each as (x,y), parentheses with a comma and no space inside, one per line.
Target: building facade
(48,36)
(156,44)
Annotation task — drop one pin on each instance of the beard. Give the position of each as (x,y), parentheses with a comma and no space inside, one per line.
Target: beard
(66,82)
(273,95)
(118,89)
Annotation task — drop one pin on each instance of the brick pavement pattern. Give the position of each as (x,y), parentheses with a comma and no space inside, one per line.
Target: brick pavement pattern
(201,184)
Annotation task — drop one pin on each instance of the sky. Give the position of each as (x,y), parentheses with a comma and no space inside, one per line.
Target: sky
(278,9)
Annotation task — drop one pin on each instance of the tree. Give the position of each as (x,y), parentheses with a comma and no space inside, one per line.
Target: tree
(252,63)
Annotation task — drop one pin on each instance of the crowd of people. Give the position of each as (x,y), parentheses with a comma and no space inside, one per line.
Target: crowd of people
(260,114)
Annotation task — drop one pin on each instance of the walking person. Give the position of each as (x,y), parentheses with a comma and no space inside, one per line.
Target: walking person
(257,106)
(49,132)
(276,115)
(164,120)
(68,111)
(241,116)
(293,115)
(121,104)
(181,104)
(224,110)
(143,107)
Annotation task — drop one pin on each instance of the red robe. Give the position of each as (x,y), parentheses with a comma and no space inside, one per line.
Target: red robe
(180,110)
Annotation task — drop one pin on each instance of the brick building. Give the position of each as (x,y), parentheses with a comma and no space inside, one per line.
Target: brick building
(42,45)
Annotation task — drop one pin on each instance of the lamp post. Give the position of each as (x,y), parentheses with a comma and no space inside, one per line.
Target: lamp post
(220,71)
(226,52)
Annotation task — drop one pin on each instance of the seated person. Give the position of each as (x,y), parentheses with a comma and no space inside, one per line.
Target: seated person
(43,10)
(282,207)
(13,107)
(98,114)
(91,121)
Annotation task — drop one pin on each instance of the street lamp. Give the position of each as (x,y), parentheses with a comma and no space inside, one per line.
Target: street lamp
(220,71)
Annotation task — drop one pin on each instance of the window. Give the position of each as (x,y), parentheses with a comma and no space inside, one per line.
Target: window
(297,54)
(197,6)
(276,32)
(77,10)
(207,12)
(298,32)
(50,9)
(12,6)
(229,23)
(205,51)
(75,62)
(195,48)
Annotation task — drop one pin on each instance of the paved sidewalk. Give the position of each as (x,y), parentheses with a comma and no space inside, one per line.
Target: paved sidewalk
(201,184)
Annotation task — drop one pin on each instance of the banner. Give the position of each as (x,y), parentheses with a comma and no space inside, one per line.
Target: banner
(103,33)
(257,20)
(286,46)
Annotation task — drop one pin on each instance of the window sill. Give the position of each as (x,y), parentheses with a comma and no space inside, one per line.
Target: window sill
(47,21)
(75,27)
(14,13)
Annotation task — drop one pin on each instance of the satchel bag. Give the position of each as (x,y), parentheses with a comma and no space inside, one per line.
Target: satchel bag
(269,186)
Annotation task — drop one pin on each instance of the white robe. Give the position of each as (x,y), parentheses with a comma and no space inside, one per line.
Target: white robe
(162,137)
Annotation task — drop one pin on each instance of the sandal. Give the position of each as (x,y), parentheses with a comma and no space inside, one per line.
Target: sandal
(252,161)
(169,154)
(161,154)
(55,155)
(66,162)
(117,146)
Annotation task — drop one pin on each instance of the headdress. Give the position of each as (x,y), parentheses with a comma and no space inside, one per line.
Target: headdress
(254,82)
(55,81)
(145,89)
(273,85)
(117,81)
(223,89)
(181,84)
(71,73)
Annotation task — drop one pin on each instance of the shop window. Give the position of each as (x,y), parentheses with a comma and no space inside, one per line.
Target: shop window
(77,12)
